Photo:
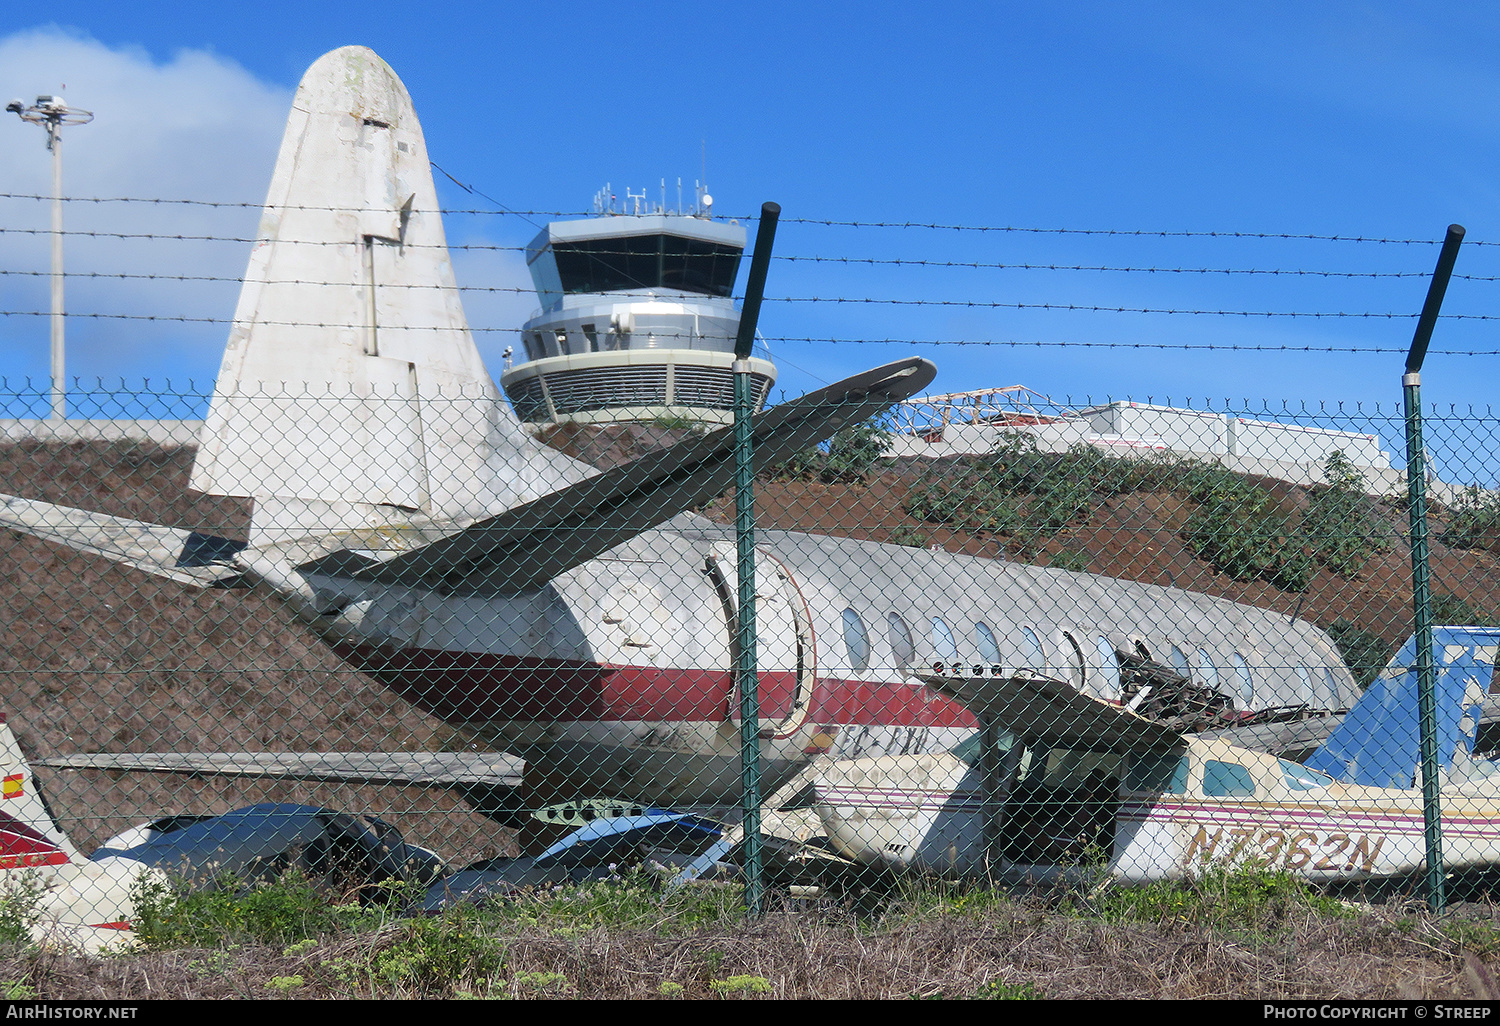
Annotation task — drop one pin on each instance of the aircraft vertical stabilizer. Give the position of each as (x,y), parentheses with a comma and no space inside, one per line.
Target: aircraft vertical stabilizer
(350,295)
(28,834)
(1379,741)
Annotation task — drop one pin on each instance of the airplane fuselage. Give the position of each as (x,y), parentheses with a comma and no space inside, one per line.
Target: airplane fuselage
(1150,818)
(620,670)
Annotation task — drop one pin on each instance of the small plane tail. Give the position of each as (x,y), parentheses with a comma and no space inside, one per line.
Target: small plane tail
(1379,741)
(350,296)
(65,899)
(29,835)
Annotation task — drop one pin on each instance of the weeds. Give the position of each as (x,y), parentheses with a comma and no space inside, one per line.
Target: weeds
(1247,899)
(20,906)
(741,986)
(433,957)
(850,456)
(998,990)
(1473,520)
(281,913)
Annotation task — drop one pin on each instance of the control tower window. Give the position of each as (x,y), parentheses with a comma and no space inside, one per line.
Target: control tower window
(646,262)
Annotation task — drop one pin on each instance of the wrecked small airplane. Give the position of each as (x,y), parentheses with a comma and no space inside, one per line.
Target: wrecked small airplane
(77,902)
(1092,791)
(586,621)
(89,904)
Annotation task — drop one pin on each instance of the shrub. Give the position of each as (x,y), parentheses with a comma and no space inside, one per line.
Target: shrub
(1340,526)
(1474,520)
(848,457)
(1241,529)
(1452,610)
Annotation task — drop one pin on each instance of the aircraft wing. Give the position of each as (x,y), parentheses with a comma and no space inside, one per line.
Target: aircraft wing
(434,769)
(523,548)
(1045,712)
(164,551)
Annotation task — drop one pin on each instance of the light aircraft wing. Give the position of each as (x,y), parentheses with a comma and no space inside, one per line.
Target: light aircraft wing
(523,548)
(1045,712)
(165,551)
(435,769)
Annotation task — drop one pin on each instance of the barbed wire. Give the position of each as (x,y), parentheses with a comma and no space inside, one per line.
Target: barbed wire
(1275,272)
(790,258)
(971,304)
(633,294)
(824,222)
(888,341)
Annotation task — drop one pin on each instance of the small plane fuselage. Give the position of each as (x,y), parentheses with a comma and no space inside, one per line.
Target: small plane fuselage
(1147,817)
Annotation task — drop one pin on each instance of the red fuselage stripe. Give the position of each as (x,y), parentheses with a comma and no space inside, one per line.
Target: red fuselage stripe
(473,686)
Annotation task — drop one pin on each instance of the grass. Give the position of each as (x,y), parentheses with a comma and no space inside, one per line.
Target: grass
(1247,901)
(1245,932)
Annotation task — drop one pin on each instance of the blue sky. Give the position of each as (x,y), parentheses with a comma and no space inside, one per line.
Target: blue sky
(1370,120)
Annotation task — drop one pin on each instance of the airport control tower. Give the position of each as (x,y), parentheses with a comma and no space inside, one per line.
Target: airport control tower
(636,321)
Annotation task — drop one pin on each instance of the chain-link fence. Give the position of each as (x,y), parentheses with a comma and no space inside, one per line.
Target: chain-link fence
(1056,641)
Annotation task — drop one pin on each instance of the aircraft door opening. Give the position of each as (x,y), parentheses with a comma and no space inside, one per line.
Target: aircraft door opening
(786,658)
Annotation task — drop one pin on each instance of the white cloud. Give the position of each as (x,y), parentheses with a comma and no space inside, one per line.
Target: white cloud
(195,127)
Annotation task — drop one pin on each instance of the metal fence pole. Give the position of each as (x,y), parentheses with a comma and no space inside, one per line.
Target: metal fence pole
(1416,489)
(745,670)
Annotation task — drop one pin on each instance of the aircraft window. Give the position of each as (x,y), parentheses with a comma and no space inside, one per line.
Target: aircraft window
(968,749)
(1208,673)
(1180,662)
(901,644)
(1109,668)
(1077,676)
(1227,780)
(943,642)
(1247,682)
(989,648)
(1161,772)
(1032,653)
(647,261)
(1069,768)
(856,641)
(1301,778)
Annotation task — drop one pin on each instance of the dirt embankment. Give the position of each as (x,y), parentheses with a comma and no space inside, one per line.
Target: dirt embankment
(96,657)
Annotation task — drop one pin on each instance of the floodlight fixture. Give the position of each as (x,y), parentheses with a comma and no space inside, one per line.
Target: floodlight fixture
(53,113)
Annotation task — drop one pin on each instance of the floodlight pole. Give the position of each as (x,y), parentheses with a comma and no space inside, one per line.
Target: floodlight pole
(52,113)
(1421,598)
(746,671)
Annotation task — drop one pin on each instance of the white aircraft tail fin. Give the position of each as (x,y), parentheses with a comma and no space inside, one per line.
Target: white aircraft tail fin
(84,904)
(350,296)
(29,836)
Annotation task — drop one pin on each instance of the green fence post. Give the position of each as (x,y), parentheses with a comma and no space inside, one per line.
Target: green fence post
(1421,597)
(745,670)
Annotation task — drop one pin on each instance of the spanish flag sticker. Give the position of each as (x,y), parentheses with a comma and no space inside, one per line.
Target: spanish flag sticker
(11,786)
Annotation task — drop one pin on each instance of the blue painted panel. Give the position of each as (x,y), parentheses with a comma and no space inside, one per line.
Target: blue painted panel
(1379,741)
